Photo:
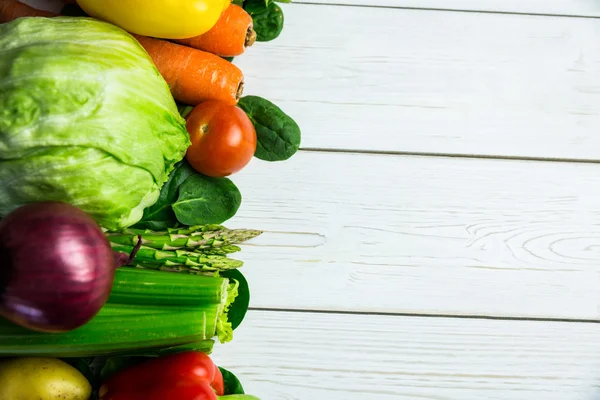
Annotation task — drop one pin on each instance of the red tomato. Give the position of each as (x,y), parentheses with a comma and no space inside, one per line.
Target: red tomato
(223,139)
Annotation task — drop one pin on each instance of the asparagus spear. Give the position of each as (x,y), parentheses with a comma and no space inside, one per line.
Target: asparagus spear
(192,259)
(200,237)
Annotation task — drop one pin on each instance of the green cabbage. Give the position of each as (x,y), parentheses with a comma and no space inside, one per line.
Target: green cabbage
(85,118)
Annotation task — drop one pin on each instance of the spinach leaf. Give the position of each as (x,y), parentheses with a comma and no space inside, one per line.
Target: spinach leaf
(160,215)
(205,200)
(232,383)
(278,135)
(239,307)
(268,23)
(238,3)
(256,6)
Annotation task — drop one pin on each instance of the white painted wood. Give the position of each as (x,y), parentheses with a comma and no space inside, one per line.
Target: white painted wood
(555,7)
(435,81)
(299,356)
(423,235)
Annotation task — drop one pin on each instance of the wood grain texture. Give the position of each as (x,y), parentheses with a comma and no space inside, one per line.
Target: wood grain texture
(434,81)
(423,235)
(587,8)
(299,356)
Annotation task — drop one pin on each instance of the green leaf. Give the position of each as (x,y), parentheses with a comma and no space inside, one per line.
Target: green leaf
(205,200)
(278,135)
(239,307)
(257,6)
(230,59)
(160,215)
(268,23)
(238,2)
(232,383)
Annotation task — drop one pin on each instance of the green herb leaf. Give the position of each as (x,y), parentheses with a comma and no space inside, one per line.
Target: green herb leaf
(239,307)
(268,23)
(160,215)
(232,383)
(205,200)
(238,2)
(278,135)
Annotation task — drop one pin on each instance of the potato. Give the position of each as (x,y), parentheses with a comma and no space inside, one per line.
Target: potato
(41,379)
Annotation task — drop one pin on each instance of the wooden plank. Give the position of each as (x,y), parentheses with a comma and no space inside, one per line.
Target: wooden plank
(423,235)
(588,8)
(435,82)
(298,356)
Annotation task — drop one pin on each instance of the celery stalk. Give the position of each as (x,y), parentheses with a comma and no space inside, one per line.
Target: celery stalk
(146,310)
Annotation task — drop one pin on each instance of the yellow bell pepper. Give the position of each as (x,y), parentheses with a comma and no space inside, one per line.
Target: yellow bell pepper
(166,19)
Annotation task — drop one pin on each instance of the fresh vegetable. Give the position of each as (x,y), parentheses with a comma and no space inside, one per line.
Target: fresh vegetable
(223,139)
(101,131)
(267,16)
(13,9)
(277,133)
(160,215)
(175,19)
(205,200)
(190,198)
(146,310)
(238,309)
(168,372)
(231,383)
(195,238)
(185,260)
(41,379)
(229,37)
(269,23)
(57,267)
(193,75)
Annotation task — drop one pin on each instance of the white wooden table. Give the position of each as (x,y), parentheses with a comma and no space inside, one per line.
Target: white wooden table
(438,236)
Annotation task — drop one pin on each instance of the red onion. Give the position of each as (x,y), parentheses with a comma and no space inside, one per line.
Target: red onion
(56,267)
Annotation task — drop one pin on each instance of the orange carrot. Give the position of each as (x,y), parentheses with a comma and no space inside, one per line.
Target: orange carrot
(193,75)
(13,9)
(230,36)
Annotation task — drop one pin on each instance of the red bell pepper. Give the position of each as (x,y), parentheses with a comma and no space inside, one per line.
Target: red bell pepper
(183,376)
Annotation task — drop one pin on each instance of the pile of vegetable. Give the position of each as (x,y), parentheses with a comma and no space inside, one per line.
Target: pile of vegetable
(121,123)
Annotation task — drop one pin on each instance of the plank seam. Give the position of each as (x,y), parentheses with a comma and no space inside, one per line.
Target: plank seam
(424,315)
(449,10)
(451,155)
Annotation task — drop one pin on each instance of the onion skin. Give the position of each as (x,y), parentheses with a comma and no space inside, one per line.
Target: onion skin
(56,267)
